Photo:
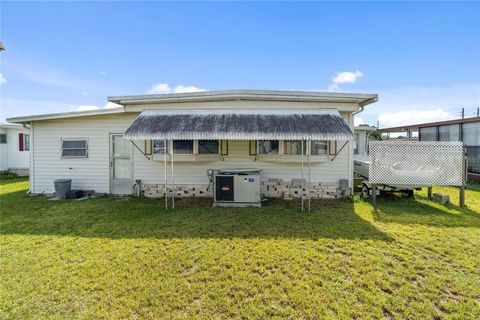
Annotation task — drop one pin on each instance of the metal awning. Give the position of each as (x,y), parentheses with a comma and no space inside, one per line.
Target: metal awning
(239,125)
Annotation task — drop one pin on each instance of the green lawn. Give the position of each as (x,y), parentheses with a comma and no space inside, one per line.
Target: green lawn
(115,259)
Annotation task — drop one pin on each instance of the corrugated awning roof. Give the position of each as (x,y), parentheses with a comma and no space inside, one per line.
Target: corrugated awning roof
(239,125)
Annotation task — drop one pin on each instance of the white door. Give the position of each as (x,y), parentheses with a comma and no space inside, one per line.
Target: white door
(121,180)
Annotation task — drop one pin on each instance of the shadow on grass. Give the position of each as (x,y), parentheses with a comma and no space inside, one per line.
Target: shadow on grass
(424,212)
(147,218)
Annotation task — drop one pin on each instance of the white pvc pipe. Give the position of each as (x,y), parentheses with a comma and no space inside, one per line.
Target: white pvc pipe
(302,174)
(165,163)
(309,174)
(173,186)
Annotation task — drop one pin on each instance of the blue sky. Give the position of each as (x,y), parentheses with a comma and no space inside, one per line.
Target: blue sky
(423,59)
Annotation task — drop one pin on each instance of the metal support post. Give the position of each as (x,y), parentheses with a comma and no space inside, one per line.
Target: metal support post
(302,184)
(165,165)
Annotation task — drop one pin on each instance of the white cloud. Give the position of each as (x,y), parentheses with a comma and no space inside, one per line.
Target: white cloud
(358,121)
(86,108)
(112,105)
(412,105)
(159,88)
(162,88)
(344,77)
(2,79)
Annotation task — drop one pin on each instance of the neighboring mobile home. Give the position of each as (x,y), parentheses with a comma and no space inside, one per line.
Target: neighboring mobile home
(14,148)
(361,135)
(121,150)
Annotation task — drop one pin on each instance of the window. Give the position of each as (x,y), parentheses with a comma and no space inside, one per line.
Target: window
(23,142)
(473,154)
(428,134)
(294,147)
(449,132)
(3,138)
(318,148)
(74,148)
(27,142)
(208,147)
(471,134)
(183,147)
(159,147)
(268,146)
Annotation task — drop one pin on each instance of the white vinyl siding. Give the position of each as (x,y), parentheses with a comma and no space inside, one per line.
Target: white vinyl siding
(92,173)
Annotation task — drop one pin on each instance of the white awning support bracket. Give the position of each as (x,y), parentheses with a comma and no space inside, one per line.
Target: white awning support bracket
(144,154)
(338,152)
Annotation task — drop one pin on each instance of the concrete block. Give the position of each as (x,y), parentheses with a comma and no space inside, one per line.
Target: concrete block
(441,198)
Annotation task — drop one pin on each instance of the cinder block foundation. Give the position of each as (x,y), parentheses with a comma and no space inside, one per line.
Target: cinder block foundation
(273,188)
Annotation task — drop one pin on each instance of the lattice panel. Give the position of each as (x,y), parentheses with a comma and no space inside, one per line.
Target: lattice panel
(416,163)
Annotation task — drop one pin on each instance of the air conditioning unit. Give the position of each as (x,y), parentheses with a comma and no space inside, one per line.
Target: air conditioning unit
(237,187)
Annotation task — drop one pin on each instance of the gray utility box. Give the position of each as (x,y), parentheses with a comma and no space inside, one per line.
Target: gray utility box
(62,187)
(237,188)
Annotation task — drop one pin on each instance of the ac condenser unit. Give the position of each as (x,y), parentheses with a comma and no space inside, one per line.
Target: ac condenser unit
(237,187)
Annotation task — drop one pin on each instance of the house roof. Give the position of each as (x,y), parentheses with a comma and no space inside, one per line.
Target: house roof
(223,95)
(240,125)
(429,124)
(11,126)
(61,115)
(269,95)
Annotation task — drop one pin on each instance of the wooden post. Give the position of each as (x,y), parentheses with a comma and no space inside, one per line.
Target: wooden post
(464,173)
(374,194)
(430,192)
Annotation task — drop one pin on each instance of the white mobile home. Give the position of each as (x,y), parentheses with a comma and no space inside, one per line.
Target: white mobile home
(126,150)
(14,148)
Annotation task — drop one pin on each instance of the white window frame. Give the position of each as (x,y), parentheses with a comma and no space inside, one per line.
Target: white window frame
(73,157)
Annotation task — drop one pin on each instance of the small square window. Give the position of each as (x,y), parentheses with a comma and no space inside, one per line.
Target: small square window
(3,138)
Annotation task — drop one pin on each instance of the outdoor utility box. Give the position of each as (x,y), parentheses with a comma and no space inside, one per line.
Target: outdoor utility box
(62,187)
(237,188)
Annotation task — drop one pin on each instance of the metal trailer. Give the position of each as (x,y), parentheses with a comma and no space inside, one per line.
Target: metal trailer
(366,189)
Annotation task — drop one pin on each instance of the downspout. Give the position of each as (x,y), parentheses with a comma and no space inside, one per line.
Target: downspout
(31,170)
(362,107)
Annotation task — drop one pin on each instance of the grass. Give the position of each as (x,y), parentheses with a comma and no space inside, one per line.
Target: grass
(113,258)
